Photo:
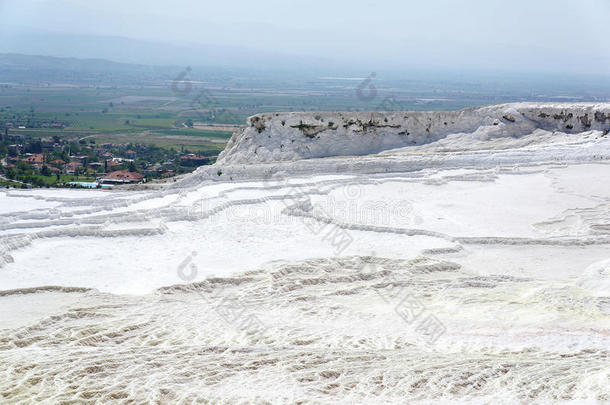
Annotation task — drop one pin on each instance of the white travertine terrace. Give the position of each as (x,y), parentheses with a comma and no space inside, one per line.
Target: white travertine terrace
(294,136)
(497,222)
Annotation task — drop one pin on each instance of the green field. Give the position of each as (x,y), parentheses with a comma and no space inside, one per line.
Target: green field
(134,103)
(154,117)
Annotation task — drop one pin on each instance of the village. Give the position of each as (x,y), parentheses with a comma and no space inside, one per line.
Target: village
(27,162)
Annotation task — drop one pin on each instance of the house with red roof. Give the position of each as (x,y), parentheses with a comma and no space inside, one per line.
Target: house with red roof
(122,177)
(193,160)
(72,167)
(34,159)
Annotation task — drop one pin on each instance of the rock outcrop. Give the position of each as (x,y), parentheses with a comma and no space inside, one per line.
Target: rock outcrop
(278,137)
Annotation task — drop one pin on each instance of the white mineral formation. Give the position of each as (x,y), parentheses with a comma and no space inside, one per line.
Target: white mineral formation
(294,136)
(458,257)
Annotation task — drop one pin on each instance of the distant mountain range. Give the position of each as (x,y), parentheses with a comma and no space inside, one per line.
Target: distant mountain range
(127,50)
(36,68)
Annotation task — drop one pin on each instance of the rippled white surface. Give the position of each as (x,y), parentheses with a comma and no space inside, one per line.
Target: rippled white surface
(514,264)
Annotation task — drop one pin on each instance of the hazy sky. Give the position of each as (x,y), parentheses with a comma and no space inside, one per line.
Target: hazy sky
(523,35)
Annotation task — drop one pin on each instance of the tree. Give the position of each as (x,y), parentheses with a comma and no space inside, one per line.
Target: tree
(45,171)
(23,167)
(10,173)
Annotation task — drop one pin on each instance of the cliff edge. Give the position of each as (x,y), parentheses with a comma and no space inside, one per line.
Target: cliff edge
(280,137)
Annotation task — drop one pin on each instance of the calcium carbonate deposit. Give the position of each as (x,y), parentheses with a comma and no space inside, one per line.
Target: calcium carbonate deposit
(326,258)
